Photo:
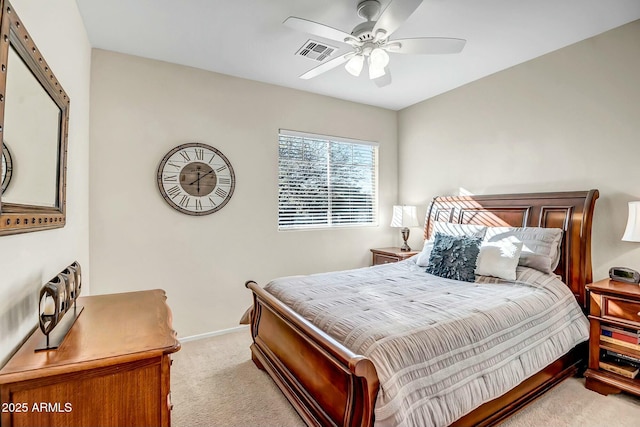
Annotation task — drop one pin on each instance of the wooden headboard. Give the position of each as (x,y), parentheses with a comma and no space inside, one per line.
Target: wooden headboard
(570,211)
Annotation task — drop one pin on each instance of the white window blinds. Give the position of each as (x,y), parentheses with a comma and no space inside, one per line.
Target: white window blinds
(326,181)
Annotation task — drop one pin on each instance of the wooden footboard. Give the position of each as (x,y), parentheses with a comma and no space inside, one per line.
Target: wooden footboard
(326,383)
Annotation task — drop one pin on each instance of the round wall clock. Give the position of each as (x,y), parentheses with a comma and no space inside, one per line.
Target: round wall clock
(196,179)
(7,167)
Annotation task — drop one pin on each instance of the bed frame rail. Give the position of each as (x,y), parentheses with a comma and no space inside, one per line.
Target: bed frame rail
(327,384)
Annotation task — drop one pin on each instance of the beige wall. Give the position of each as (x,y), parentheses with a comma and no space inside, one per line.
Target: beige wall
(27,261)
(140,109)
(569,120)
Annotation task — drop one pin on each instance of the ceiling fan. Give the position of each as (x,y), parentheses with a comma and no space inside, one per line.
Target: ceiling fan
(370,40)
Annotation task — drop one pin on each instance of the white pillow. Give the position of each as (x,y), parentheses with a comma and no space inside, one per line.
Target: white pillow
(541,246)
(499,259)
(422,259)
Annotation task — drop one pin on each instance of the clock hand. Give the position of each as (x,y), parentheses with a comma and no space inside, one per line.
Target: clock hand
(197,180)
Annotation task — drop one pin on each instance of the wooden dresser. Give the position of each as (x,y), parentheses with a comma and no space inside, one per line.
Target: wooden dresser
(111,370)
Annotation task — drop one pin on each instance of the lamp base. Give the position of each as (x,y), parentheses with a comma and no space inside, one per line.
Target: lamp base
(405,236)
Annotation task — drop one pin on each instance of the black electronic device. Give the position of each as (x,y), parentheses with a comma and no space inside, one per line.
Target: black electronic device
(624,274)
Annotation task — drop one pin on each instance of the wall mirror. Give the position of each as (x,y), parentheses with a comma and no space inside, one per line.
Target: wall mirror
(34,120)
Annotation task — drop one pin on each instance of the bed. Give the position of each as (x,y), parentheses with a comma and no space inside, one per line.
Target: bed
(329,384)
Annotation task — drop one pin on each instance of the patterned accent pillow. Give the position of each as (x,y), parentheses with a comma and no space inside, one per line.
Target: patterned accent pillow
(452,229)
(454,257)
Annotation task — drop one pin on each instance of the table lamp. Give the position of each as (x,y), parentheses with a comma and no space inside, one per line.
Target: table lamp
(405,217)
(632,232)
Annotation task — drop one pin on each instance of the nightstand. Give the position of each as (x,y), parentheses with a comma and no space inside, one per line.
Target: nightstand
(387,255)
(614,306)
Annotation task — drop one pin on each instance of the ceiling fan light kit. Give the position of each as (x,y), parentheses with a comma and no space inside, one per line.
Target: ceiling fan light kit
(370,39)
(354,65)
(379,58)
(375,72)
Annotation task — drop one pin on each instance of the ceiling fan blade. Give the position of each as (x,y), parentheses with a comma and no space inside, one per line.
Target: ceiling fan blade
(384,80)
(395,14)
(428,45)
(317,29)
(329,65)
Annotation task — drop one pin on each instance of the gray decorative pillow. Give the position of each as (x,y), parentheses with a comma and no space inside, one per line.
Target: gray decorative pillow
(454,257)
(453,229)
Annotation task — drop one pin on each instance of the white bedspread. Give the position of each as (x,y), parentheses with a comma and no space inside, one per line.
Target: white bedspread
(441,347)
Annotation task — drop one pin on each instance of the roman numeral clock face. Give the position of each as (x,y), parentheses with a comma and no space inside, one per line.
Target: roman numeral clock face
(196,179)
(7,167)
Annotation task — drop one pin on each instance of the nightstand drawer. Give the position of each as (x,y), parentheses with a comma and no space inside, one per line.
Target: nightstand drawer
(390,255)
(383,259)
(623,309)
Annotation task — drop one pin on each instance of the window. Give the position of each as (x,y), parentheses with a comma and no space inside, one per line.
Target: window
(326,181)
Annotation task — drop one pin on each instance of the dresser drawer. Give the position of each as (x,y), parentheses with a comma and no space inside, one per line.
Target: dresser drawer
(383,259)
(621,309)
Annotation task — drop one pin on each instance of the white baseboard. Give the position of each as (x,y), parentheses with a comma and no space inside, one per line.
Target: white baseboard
(213,333)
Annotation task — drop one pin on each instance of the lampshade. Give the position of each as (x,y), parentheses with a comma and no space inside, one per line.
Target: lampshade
(632,232)
(404,216)
(375,72)
(378,58)
(354,65)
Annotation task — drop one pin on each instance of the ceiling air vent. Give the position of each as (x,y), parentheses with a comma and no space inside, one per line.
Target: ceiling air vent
(315,50)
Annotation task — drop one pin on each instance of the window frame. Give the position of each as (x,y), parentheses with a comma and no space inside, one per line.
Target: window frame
(333,139)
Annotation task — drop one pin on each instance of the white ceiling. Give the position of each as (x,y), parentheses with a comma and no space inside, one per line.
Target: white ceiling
(246,38)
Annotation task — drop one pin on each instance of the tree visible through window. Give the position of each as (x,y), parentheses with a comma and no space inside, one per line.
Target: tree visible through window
(326,181)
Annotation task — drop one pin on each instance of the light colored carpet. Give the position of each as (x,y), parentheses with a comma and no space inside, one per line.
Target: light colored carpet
(215,383)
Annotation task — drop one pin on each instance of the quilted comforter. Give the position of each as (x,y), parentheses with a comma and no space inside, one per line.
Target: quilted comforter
(441,347)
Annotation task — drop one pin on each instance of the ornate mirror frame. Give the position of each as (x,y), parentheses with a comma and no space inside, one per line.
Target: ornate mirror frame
(22,218)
